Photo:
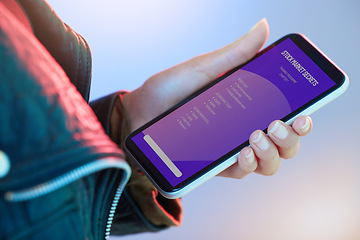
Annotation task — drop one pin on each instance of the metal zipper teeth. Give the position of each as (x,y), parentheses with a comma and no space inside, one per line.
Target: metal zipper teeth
(113,207)
(75,174)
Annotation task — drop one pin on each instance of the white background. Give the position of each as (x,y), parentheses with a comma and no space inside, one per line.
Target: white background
(316,195)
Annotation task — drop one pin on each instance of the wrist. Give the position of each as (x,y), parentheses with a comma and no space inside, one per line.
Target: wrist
(132,109)
(119,122)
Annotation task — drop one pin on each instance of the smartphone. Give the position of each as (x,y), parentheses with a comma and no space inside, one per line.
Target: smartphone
(201,136)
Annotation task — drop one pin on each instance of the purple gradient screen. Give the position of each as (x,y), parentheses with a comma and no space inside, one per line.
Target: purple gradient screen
(223,117)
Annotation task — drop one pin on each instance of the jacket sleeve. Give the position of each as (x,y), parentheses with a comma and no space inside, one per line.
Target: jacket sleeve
(141,207)
(65,45)
(58,153)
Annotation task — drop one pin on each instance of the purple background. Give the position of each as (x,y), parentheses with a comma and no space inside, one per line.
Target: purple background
(316,194)
(194,148)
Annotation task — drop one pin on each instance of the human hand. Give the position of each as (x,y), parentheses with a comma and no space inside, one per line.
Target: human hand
(167,88)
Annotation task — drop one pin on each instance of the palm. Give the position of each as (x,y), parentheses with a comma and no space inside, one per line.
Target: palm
(167,88)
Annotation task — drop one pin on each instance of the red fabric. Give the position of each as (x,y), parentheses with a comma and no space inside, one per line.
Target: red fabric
(14,7)
(59,131)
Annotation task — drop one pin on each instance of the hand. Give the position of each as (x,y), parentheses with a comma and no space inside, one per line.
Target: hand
(264,153)
(165,89)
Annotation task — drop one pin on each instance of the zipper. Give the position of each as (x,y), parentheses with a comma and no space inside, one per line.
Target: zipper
(73,175)
(113,207)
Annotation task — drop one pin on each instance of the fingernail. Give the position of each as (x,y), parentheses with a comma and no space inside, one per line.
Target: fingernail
(261,142)
(257,25)
(306,125)
(250,157)
(279,130)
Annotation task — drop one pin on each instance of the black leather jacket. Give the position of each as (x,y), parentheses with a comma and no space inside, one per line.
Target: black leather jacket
(66,175)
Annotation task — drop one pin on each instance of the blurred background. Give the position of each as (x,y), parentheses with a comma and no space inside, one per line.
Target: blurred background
(315,195)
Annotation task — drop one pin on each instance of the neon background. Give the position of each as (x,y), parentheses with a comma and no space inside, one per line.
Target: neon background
(315,195)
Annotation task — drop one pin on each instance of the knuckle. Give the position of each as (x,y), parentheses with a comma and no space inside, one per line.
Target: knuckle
(269,173)
(288,155)
(270,169)
(289,152)
(239,174)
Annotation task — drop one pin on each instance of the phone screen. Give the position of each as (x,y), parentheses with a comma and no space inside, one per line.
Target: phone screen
(221,118)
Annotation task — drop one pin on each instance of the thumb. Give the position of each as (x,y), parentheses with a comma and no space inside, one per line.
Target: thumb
(236,53)
(174,84)
(207,67)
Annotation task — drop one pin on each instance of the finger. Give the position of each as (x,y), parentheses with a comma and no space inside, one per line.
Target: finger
(246,164)
(302,125)
(234,54)
(285,139)
(197,72)
(266,153)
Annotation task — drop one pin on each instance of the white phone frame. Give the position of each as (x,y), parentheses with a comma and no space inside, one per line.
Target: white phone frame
(233,159)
